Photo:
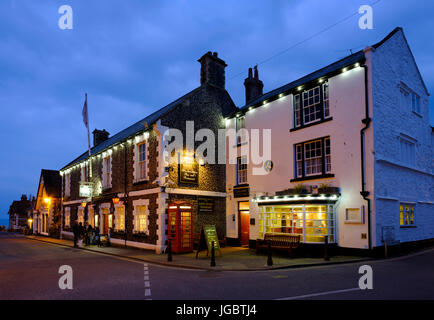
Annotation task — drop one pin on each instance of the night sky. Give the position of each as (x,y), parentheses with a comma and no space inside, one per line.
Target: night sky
(133,57)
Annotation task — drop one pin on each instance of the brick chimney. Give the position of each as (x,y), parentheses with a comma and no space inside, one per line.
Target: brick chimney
(212,70)
(99,136)
(253,86)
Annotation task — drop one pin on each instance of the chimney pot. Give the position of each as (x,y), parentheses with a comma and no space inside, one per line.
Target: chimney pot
(212,70)
(253,86)
(99,136)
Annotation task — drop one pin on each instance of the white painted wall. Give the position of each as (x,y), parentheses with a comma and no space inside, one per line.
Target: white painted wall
(392,65)
(347,107)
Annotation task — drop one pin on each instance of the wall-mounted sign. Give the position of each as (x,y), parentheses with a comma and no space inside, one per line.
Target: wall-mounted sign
(189,173)
(206,204)
(268,165)
(85,189)
(240,192)
(355,215)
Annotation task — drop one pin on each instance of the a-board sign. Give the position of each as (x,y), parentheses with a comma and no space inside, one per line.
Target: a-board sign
(208,234)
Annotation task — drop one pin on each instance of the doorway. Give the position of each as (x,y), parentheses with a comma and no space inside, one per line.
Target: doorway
(244,222)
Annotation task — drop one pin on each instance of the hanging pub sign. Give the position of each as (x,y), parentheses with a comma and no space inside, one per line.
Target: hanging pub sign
(240,192)
(206,204)
(85,189)
(189,173)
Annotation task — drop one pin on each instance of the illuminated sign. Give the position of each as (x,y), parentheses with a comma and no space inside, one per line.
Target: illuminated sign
(85,190)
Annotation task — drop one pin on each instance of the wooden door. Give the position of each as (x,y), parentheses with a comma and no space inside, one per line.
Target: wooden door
(105,224)
(244,228)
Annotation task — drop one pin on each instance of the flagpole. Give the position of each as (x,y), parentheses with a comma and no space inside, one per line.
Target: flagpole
(88,140)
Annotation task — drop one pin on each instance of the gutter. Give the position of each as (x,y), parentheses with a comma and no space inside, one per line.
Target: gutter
(366,121)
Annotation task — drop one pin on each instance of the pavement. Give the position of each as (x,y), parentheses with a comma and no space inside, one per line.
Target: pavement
(230,259)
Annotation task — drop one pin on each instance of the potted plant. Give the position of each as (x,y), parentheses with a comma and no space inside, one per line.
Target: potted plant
(327,188)
(299,189)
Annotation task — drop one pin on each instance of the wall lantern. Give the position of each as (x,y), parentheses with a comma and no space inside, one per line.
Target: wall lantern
(47,200)
(115,200)
(83,204)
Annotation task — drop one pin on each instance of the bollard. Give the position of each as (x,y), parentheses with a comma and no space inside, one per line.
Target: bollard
(169,251)
(212,254)
(270,258)
(326,243)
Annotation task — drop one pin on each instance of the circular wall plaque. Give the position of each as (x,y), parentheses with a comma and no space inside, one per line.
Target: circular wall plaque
(268,165)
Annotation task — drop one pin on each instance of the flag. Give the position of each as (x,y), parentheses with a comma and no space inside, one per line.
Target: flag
(85,114)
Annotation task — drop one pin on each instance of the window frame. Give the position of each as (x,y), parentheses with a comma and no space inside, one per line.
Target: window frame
(407,150)
(411,219)
(240,129)
(136,216)
(107,167)
(142,172)
(244,170)
(323,105)
(119,216)
(415,102)
(325,154)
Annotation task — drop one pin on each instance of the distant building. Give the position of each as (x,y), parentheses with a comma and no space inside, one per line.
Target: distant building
(20,212)
(46,214)
(351,154)
(128,190)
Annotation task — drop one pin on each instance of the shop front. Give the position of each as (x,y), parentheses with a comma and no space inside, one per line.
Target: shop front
(313,218)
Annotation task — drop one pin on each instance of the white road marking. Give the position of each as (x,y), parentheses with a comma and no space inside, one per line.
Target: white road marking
(147,282)
(319,294)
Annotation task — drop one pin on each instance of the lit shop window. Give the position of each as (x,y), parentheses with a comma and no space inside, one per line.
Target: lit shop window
(120,219)
(140,219)
(67,217)
(406,214)
(90,216)
(312,222)
(81,215)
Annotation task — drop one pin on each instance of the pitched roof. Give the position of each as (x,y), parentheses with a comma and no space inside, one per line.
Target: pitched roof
(330,69)
(390,35)
(133,129)
(338,65)
(52,182)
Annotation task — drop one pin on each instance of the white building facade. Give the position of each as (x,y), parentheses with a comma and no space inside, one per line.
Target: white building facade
(351,154)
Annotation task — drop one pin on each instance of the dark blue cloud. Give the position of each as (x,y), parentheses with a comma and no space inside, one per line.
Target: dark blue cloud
(132,57)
